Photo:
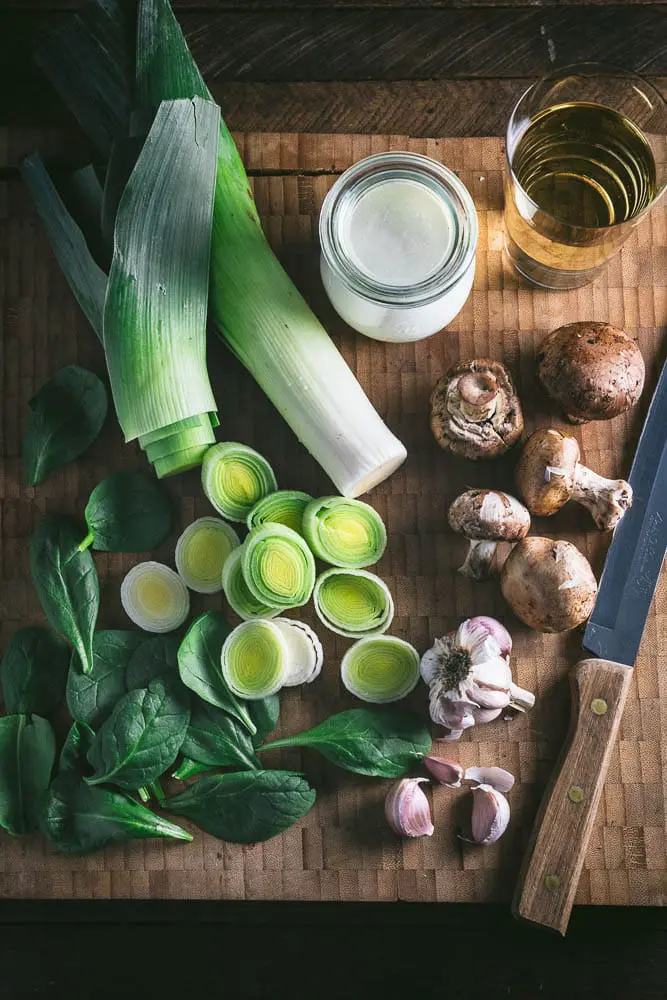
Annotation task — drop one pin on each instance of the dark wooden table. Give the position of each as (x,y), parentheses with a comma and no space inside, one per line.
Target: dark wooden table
(428,68)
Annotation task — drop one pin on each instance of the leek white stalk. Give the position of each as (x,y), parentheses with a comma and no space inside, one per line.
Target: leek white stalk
(154,597)
(278,566)
(353,603)
(202,551)
(254,659)
(239,597)
(304,651)
(344,532)
(380,669)
(235,477)
(282,507)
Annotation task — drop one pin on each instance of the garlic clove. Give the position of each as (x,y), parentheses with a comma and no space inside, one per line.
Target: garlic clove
(488,697)
(497,777)
(490,814)
(407,809)
(475,632)
(447,772)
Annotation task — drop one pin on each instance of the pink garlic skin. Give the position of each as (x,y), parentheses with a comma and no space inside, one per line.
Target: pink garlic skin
(493,628)
(446,772)
(490,814)
(407,809)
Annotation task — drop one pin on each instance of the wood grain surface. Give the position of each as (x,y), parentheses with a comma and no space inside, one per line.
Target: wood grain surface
(342,850)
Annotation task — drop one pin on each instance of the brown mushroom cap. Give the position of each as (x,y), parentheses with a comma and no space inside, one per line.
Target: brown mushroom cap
(489,514)
(546,470)
(593,370)
(548,584)
(475,410)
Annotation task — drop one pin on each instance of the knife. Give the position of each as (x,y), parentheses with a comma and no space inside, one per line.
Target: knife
(553,861)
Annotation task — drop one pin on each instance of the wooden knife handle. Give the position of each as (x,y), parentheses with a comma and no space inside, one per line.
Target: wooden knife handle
(555,855)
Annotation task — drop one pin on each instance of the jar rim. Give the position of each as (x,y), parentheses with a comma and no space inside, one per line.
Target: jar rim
(441,181)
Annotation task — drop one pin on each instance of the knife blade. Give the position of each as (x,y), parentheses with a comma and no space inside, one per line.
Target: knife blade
(555,854)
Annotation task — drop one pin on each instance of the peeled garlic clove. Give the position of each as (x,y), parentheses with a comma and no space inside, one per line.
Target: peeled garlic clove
(490,814)
(447,772)
(407,809)
(497,777)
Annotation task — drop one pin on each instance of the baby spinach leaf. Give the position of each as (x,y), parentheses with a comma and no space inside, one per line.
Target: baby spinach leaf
(189,768)
(66,583)
(216,739)
(78,818)
(245,806)
(27,754)
(33,672)
(199,665)
(379,742)
(64,418)
(141,738)
(127,512)
(75,749)
(92,696)
(264,713)
(154,657)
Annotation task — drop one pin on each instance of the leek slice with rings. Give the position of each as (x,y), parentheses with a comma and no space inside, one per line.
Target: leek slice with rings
(239,597)
(344,532)
(353,603)
(278,566)
(304,650)
(154,597)
(282,507)
(235,477)
(380,669)
(255,659)
(202,551)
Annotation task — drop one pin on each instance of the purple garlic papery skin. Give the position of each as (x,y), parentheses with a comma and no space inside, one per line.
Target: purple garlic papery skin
(407,809)
(490,814)
(482,626)
(497,777)
(447,772)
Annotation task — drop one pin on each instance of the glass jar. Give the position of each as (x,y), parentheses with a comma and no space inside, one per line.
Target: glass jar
(398,234)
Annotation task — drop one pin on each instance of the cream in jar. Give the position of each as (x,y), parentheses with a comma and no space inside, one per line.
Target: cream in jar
(398,234)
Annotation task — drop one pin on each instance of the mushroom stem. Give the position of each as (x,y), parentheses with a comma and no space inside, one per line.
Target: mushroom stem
(478,392)
(479,562)
(520,699)
(607,499)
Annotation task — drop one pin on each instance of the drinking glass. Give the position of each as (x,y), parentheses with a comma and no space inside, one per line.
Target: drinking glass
(586,159)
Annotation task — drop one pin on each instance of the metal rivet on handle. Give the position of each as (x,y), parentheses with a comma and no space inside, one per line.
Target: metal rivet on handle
(575,793)
(599,706)
(551,883)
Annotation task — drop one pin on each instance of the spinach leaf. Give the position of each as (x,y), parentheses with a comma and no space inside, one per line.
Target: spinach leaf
(189,768)
(154,657)
(74,750)
(64,418)
(66,583)
(264,713)
(33,672)
(141,738)
(127,512)
(27,754)
(78,818)
(216,739)
(245,806)
(379,742)
(199,665)
(92,696)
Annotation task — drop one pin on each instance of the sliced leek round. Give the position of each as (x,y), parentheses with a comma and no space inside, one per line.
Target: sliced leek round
(278,566)
(380,669)
(202,551)
(239,597)
(344,532)
(235,477)
(354,603)
(282,507)
(254,659)
(154,597)
(304,651)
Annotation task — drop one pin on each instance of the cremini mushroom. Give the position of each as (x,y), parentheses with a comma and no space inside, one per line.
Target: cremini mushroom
(487,517)
(592,370)
(549,474)
(475,410)
(548,584)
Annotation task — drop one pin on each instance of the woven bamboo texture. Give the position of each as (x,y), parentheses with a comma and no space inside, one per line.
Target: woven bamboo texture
(342,850)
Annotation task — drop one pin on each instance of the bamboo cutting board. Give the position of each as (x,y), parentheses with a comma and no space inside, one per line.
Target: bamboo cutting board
(343,849)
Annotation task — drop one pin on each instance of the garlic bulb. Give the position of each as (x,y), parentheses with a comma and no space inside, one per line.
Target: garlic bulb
(490,814)
(407,809)
(469,676)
